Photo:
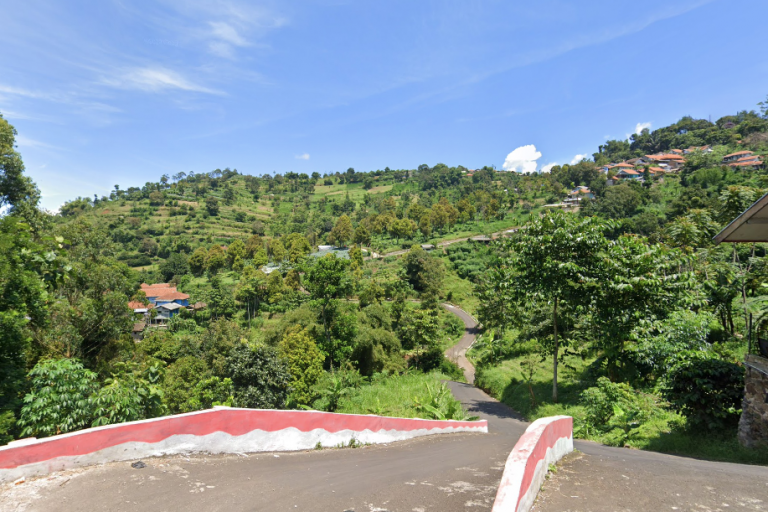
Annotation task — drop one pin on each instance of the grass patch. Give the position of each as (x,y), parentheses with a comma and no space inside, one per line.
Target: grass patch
(665,432)
(395,395)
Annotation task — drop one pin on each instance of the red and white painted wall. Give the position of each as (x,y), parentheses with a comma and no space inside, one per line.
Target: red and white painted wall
(545,441)
(217,430)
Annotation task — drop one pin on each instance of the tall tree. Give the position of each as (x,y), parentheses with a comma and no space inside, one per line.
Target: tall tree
(342,232)
(327,281)
(555,260)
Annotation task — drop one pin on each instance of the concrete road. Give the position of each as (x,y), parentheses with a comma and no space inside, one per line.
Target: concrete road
(458,352)
(605,479)
(445,473)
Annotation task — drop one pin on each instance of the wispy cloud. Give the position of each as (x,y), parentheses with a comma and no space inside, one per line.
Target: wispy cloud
(28,143)
(304,156)
(155,79)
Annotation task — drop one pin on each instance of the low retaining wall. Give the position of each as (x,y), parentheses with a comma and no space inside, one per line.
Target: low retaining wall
(545,441)
(218,430)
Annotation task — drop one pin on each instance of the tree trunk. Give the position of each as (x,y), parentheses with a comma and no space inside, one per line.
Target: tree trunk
(554,360)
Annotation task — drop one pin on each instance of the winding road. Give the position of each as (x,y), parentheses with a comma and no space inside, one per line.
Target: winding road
(437,473)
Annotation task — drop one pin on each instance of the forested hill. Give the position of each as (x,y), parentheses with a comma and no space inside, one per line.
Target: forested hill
(255,322)
(391,208)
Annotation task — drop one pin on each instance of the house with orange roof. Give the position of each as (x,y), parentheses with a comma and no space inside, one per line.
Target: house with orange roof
(628,174)
(734,157)
(164,293)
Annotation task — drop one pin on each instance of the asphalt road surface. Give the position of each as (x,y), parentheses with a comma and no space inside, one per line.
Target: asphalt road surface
(441,473)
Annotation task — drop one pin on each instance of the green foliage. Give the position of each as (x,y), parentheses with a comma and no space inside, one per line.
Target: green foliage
(423,272)
(208,393)
(59,398)
(180,378)
(260,378)
(212,206)
(335,387)
(327,280)
(707,391)
(129,395)
(418,329)
(305,364)
(197,261)
(16,189)
(440,405)
(175,265)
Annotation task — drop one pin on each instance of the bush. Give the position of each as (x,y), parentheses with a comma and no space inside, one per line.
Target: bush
(708,392)
(431,359)
(59,399)
(334,387)
(618,411)
(305,363)
(261,379)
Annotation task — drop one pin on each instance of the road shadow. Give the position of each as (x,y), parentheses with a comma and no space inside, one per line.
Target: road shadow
(501,418)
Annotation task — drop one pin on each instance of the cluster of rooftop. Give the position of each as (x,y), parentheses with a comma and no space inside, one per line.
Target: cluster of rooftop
(166,300)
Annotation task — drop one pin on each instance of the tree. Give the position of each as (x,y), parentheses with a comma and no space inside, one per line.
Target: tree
(619,202)
(58,401)
(253,245)
(128,395)
(305,364)
(423,272)
(555,260)
(212,206)
(91,313)
(16,189)
(275,287)
(342,231)
(327,280)
(175,265)
(362,236)
(236,250)
(734,200)
(24,269)
(197,261)
(260,378)
(215,260)
(277,250)
(637,280)
(298,247)
(260,258)
(425,226)
(251,290)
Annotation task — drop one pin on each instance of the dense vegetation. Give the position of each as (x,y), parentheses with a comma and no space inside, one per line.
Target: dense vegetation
(618,307)
(628,311)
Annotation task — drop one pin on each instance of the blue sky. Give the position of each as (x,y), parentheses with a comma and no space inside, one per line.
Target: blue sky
(121,92)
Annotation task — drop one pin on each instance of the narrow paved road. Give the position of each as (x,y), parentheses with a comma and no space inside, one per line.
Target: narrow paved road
(439,473)
(444,473)
(458,352)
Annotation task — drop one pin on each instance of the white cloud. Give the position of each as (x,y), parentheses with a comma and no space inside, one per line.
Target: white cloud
(577,159)
(304,156)
(522,159)
(228,33)
(155,79)
(548,167)
(639,127)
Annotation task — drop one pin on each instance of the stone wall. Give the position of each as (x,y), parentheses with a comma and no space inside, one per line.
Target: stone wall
(753,426)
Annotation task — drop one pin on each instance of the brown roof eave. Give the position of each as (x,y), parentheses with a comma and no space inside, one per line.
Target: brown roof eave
(739,221)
